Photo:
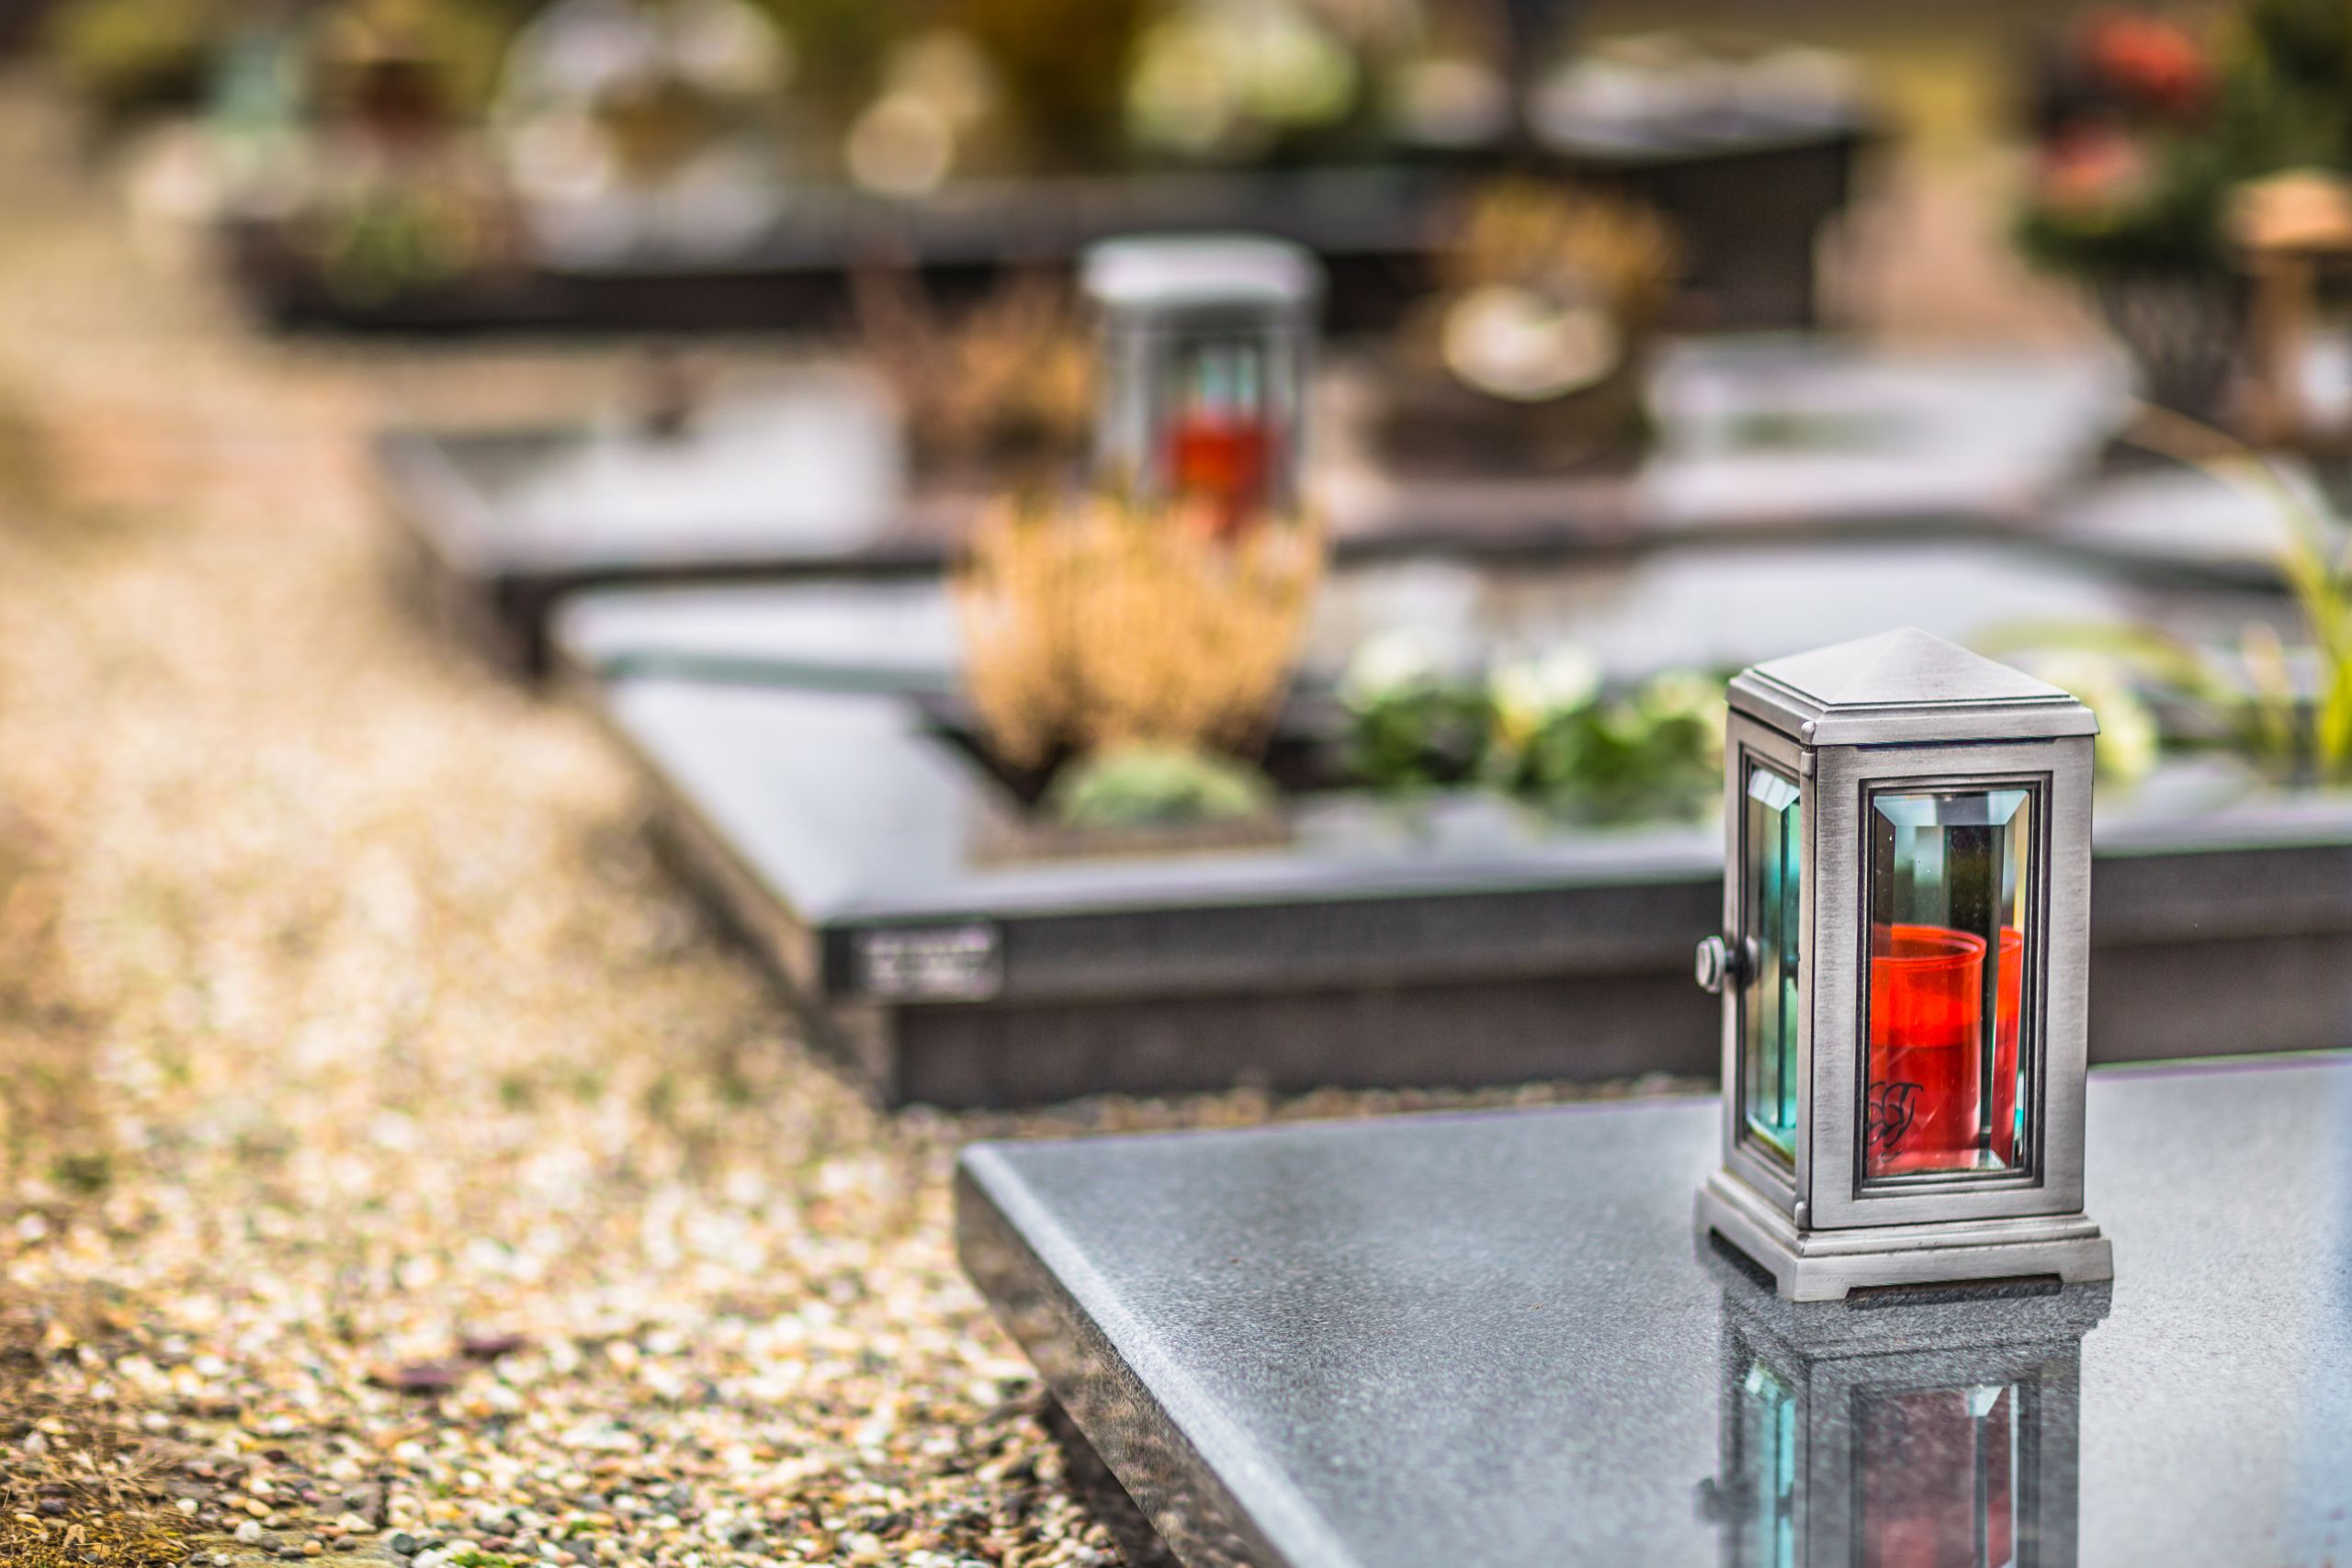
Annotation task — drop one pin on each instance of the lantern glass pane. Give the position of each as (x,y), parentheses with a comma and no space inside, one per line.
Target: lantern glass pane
(1938,1475)
(1772,881)
(1951,924)
(1765,1465)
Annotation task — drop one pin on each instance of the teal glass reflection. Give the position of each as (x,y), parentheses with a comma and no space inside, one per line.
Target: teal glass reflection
(1773,881)
(1768,1440)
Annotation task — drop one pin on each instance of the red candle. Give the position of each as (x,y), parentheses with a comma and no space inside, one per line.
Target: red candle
(1927,1049)
(1226,458)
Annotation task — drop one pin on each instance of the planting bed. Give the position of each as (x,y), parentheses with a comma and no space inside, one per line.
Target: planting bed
(821,789)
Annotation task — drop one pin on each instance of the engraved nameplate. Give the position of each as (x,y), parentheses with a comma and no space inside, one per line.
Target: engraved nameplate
(931,962)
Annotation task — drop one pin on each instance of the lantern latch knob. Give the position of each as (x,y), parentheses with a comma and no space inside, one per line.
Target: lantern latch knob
(1719,963)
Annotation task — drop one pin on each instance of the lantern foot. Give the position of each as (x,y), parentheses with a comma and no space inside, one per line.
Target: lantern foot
(1829,1264)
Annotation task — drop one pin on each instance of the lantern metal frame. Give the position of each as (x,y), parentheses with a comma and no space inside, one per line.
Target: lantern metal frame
(1903,713)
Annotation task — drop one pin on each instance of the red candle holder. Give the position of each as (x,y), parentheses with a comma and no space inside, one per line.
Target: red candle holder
(1227,458)
(1927,1050)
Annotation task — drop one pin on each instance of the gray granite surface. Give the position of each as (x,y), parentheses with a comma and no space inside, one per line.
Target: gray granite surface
(1490,1340)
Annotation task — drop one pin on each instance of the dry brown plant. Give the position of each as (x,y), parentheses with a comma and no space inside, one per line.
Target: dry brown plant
(1011,376)
(1102,624)
(77,1485)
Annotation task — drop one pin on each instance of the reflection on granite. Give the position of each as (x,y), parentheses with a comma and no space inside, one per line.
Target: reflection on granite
(1931,1428)
(1489,1340)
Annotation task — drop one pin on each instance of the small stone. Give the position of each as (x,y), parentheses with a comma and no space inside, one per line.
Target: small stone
(313,1548)
(419,1377)
(352,1524)
(249,1532)
(399,1543)
(489,1346)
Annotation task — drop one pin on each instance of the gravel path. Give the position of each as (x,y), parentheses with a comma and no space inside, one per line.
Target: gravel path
(395,1163)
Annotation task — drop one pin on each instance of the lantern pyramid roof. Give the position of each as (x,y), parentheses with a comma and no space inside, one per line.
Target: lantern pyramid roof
(1905,686)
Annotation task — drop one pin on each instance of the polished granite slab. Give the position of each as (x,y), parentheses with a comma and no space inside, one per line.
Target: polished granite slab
(1493,1340)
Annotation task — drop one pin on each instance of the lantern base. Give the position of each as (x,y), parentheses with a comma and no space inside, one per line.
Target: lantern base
(1827,1265)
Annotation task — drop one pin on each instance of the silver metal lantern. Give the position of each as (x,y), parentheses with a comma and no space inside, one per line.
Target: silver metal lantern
(1206,342)
(1904,972)
(1944,1433)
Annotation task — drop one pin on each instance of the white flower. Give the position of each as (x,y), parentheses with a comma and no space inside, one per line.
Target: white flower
(1528,691)
(1388,665)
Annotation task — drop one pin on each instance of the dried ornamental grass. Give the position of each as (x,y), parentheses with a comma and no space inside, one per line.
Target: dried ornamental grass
(1011,376)
(1110,625)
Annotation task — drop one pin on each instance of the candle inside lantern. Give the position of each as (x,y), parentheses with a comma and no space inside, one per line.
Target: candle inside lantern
(1927,1083)
(1927,1049)
(1221,445)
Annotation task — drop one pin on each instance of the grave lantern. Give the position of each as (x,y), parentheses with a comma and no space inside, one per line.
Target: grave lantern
(1943,1433)
(1904,965)
(1204,348)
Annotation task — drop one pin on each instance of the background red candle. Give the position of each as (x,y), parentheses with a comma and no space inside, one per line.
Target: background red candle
(1225,456)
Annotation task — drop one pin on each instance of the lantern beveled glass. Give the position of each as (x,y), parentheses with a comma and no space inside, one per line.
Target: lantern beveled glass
(1904,967)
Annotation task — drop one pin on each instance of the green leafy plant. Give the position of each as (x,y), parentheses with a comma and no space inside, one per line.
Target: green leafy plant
(1412,725)
(1543,731)
(1158,786)
(1655,751)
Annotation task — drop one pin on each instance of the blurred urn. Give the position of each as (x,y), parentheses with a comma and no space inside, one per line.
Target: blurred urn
(2291,234)
(1532,355)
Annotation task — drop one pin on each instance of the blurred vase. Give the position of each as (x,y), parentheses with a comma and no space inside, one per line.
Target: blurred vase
(2182,331)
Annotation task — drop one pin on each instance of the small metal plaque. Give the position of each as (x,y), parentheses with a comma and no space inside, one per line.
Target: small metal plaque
(931,962)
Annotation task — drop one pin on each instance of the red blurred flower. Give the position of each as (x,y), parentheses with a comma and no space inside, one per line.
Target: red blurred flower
(2150,62)
(2090,167)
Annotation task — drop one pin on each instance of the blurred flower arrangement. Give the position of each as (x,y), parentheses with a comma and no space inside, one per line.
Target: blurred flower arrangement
(348,134)
(1536,342)
(1138,655)
(1007,382)
(1544,730)
(2148,131)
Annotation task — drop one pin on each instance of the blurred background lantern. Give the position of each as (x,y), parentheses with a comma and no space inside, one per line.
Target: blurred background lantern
(1206,347)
